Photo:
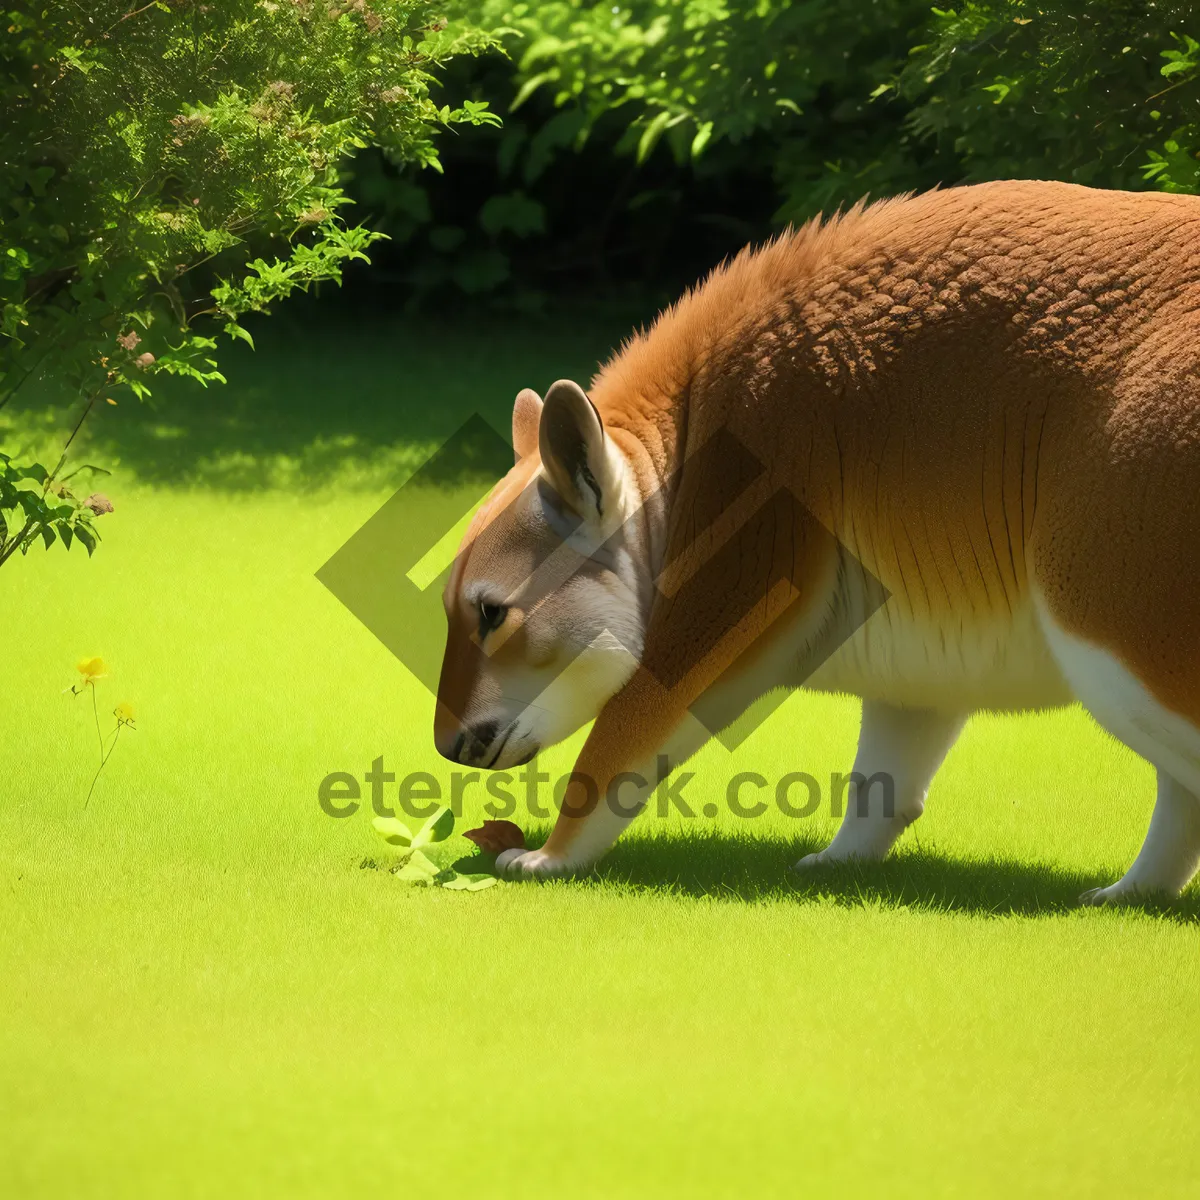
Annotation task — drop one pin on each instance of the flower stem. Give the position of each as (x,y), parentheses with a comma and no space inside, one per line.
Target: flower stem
(104,758)
(99,735)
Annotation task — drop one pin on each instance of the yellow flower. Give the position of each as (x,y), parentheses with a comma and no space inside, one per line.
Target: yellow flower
(92,669)
(124,712)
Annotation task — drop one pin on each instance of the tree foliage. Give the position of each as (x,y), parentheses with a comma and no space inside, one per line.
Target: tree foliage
(1101,91)
(142,142)
(819,102)
(1106,94)
(689,73)
(167,167)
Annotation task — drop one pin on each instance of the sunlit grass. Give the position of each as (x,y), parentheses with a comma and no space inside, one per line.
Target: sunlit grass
(207,989)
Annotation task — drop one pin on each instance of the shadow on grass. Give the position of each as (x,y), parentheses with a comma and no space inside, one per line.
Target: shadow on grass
(741,869)
(323,401)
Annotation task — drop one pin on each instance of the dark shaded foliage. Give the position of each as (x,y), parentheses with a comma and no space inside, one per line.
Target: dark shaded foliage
(645,141)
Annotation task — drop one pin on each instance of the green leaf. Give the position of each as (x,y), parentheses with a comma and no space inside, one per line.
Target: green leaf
(393,831)
(437,829)
(651,134)
(530,86)
(35,507)
(411,874)
(236,331)
(87,536)
(469,883)
(513,212)
(417,869)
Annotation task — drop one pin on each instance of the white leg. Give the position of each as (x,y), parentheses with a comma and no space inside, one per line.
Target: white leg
(1121,704)
(1169,855)
(900,747)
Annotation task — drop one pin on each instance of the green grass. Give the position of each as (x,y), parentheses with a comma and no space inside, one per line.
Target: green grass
(207,989)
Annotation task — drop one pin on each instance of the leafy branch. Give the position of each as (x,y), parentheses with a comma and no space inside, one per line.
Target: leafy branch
(34,506)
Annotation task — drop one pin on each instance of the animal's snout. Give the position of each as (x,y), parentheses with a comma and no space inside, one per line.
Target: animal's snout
(464,743)
(449,733)
(450,745)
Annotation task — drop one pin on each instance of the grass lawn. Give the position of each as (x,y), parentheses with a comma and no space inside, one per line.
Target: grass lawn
(207,989)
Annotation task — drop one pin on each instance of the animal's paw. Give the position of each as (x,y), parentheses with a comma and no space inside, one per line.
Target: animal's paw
(810,861)
(529,864)
(834,854)
(1121,893)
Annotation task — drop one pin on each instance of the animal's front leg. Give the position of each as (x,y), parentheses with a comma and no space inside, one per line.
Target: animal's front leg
(642,727)
(583,840)
(899,749)
(530,864)
(587,826)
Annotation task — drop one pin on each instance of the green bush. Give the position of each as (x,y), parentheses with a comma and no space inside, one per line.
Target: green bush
(691,73)
(879,95)
(626,125)
(817,102)
(1106,94)
(166,167)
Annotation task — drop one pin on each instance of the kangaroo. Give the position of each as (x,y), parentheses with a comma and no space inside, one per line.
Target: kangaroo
(982,401)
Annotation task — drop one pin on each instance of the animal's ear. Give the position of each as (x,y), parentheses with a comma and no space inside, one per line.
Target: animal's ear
(576,453)
(527,414)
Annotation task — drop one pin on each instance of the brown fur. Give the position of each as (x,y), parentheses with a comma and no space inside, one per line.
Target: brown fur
(963,385)
(976,391)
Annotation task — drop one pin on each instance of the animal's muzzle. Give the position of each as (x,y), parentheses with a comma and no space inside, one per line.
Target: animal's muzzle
(475,745)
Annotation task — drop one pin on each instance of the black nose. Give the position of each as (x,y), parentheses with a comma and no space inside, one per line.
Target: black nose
(484,734)
(471,743)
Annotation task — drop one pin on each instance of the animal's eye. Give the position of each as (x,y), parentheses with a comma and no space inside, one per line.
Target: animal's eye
(491,616)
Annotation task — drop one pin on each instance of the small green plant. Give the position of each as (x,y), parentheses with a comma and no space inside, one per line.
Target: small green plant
(92,670)
(35,505)
(416,867)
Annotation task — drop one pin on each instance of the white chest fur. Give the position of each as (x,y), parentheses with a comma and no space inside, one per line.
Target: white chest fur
(1001,662)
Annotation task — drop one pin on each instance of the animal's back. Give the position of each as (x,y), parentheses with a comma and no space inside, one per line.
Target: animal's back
(991,396)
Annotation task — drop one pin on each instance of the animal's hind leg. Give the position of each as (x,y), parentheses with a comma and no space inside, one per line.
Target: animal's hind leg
(1170,853)
(1125,707)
